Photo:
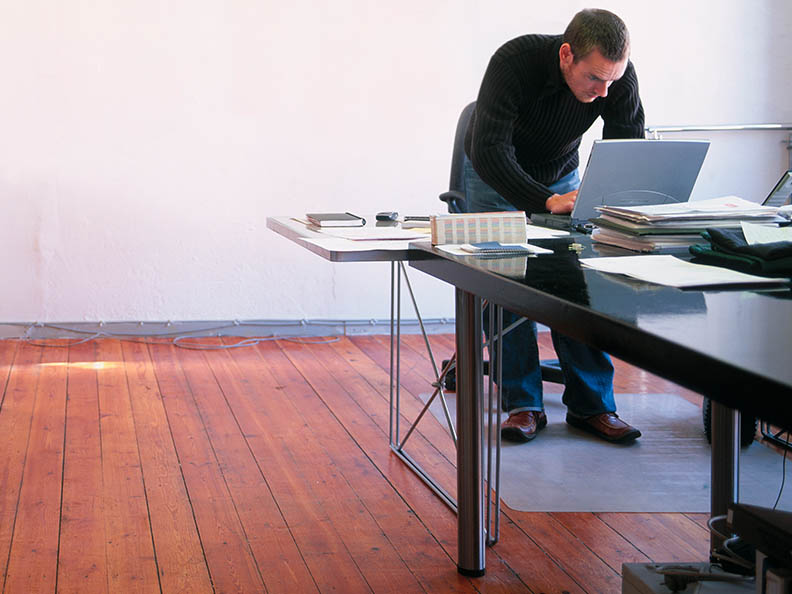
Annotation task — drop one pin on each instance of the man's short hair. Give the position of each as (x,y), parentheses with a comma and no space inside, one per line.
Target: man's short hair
(594,28)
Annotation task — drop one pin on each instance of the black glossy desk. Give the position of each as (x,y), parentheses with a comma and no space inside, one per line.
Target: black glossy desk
(732,345)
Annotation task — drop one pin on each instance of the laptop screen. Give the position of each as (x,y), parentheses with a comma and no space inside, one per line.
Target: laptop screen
(638,172)
(781,194)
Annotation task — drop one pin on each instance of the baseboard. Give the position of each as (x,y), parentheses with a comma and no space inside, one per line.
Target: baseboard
(285,328)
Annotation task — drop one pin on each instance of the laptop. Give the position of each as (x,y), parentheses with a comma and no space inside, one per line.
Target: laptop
(781,194)
(632,172)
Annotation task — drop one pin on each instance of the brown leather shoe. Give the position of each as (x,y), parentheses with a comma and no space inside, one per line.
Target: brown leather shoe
(607,426)
(523,426)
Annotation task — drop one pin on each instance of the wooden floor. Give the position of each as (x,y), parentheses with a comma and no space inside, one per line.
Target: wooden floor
(133,467)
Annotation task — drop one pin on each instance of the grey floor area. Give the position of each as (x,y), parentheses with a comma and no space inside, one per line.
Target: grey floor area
(666,470)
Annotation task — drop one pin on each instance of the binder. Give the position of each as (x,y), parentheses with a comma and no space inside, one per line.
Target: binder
(505,227)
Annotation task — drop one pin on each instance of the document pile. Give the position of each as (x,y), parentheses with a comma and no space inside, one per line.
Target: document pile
(679,224)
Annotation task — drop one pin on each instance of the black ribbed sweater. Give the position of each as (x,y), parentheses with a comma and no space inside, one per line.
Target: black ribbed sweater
(526,128)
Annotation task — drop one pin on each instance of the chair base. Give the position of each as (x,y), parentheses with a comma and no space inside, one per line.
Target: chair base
(551,372)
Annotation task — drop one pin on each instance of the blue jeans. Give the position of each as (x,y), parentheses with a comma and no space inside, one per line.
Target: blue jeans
(588,372)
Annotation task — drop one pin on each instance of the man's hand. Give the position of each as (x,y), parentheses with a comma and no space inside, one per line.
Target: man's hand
(561,203)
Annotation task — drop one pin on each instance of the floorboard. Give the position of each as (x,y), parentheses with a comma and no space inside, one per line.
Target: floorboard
(180,558)
(32,560)
(139,466)
(225,545)
(131,563)
(82,563)
(16,417)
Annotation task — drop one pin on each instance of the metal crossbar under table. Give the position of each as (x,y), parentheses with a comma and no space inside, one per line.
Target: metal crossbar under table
(490,442)
(774,436)
(396,443)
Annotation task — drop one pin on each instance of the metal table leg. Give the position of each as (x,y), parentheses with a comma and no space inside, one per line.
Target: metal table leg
(493,433)
(725,463)
(470,486)
(471,561)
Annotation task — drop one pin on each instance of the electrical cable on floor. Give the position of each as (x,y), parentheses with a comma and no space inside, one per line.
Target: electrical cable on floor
(676,577)
(729,556)
(177,337)
(732,556)
(783,473)
(245,343)
(309,340)
(711,526)
(66,346)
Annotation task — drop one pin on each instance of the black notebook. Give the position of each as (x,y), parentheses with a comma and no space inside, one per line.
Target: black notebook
(335,219)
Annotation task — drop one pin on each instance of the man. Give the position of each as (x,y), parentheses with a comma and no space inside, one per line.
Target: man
(539,95)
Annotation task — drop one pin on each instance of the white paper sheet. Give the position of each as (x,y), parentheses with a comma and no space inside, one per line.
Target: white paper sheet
(539,232)
(667,270)
(755,234)
(336,244)
(373,233)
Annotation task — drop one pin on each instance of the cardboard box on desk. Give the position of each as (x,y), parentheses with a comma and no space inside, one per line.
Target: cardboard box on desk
(504,227)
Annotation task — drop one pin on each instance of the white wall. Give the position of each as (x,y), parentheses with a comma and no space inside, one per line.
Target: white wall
(144,143)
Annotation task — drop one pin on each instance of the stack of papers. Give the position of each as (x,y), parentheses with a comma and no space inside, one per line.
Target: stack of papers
(647,228)
(713,209)
(644,242)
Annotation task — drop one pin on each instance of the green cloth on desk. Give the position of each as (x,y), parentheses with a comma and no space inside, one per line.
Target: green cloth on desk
(729,248)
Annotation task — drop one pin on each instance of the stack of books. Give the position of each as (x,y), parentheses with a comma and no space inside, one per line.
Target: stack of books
(676,225)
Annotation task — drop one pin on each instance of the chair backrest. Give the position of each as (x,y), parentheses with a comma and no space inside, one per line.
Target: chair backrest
(455,197)
(457,181)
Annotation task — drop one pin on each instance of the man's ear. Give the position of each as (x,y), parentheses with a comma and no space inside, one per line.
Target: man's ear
(565,55)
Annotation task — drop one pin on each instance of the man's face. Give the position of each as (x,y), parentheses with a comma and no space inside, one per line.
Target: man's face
(589,77)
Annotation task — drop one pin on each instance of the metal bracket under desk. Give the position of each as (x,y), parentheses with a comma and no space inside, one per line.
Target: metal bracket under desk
(487,445)
(396,443)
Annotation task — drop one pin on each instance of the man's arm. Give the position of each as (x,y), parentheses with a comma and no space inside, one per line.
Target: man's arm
(561,203)
(492,149)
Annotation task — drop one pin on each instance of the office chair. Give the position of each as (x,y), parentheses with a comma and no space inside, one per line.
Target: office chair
(456,201)
(455,197)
